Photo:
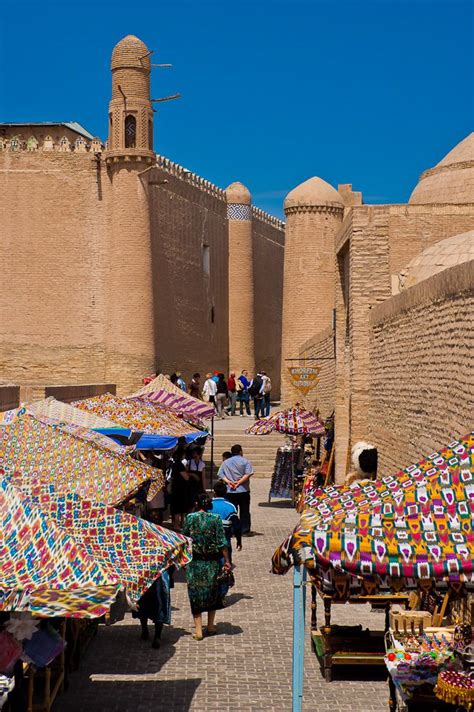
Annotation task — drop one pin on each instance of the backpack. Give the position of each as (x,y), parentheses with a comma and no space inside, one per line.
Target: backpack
(254,389)
(267,386)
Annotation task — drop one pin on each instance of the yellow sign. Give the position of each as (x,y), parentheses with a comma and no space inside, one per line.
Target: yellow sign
(304,378)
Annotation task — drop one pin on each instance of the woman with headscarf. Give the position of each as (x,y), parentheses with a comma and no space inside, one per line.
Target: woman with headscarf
(202,573)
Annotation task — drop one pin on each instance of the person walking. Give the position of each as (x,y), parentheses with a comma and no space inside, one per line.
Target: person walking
(221,396)
(256,392)
(155,605)
(242,385)
(195,386)
(202,573)
(180,382)
(209,390)
(236,472)
(181,489)
(197,474)
(228,514)
(267,390)
(231,394)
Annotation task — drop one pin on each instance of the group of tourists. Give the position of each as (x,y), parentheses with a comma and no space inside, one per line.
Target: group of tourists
(211,523)
(228,393)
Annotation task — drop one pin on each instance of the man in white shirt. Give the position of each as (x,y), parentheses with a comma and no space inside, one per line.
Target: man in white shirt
(236,472)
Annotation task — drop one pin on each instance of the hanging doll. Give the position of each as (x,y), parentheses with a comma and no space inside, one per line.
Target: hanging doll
(364,463)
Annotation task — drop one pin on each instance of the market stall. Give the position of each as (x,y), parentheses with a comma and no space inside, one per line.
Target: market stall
(159,427)
(409,531)
(298,424)
(69,458)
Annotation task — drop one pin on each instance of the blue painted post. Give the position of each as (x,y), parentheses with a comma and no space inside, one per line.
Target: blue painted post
(299,600)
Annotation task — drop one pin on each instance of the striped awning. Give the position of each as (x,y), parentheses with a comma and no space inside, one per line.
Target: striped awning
(161,391)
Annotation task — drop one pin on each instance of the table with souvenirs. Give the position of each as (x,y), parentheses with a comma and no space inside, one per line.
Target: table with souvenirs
(429,666)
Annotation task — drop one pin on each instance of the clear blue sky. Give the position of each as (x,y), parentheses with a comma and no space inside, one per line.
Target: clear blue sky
(273,92)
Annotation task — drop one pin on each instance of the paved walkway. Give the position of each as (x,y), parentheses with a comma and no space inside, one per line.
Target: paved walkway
(247,667)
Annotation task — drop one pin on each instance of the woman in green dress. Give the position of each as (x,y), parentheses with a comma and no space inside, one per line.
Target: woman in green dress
(209,547)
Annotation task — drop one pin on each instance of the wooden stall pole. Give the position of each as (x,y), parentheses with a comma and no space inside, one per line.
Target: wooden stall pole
(299,601)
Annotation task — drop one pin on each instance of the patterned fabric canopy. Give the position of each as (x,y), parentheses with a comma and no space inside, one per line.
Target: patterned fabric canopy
(66,413)
(140,416)
(68,462)
(42,568)
(293,421)
(161,391)
(413,526)
(131,549)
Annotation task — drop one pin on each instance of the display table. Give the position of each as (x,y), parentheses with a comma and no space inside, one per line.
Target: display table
(414,662)
(347,645)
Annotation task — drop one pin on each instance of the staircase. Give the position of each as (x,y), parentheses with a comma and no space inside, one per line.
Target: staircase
(259,449)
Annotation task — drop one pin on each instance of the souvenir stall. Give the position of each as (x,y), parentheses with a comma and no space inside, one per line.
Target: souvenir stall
(62,558)
(298,424)
(409,531)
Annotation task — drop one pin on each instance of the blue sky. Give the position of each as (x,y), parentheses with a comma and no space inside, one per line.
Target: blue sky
(273,92)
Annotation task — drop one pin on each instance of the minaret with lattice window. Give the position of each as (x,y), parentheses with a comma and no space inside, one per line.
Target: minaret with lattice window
(130,109)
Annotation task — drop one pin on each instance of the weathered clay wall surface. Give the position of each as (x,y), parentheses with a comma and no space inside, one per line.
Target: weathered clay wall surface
(422,368)
(364,280)
(320,352)
(53,257)
(268,256)
(190,306)
(413,228)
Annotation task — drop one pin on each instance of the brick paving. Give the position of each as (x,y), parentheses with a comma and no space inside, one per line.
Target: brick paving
(247,666)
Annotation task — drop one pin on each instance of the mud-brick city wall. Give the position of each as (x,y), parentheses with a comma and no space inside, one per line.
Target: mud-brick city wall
(53,257)
(190,271)
(268,241)
(319,353)
(421,374)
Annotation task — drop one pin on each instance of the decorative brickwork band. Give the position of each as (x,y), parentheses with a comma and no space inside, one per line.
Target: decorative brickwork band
(238,211)
(331,209)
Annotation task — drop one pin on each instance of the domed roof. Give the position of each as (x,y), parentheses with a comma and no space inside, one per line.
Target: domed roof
(130,52)
(451,180)
(438,257)
(238,193)
(314,191)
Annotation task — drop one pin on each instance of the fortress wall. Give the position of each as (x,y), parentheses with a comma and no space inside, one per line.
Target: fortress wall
(421,367)
(190,306)
(268,256)
(320,352)
(363,280)
(54,264)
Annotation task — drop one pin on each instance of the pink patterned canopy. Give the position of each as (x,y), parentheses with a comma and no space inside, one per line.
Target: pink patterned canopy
(164,393)
(293,421)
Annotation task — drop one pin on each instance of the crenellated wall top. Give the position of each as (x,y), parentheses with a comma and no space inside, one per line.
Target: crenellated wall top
(18,144)
(260,214)
(178,171)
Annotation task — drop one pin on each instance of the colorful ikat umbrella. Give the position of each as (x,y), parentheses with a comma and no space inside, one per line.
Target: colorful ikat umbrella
(411,527)
(43,569)
(68,460)
(161,428)
(293,421)
(133,550)
(160,391)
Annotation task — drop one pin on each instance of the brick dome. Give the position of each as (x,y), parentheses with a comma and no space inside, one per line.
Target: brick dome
(451,180)
(238,193)
(436,258)
(130,52)
(313,192)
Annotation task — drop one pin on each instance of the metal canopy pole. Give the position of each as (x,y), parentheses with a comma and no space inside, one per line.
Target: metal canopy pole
(211,474)
(299,609)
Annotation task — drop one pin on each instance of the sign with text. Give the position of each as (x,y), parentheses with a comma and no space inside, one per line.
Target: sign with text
(304,378)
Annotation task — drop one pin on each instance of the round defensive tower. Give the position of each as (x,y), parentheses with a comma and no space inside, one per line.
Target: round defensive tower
(130,329)
(314,212)
(241,283)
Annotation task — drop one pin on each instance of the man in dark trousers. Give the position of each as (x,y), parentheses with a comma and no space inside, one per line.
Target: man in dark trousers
(236,472)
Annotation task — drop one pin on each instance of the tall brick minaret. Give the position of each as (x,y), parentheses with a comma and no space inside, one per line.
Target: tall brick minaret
(130,334)
(314,212)
(241,282)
